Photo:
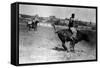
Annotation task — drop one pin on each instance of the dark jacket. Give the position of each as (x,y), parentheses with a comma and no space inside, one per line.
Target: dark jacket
(71,22)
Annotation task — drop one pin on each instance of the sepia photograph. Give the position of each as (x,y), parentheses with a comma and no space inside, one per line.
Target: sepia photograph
(56,33)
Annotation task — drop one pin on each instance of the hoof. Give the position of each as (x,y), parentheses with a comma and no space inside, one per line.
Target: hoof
(73,51)
(66,50)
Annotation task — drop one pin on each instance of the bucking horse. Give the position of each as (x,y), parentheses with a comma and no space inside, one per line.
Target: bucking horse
(65,36)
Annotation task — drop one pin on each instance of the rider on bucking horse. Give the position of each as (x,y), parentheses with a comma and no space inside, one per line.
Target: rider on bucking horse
(72,26)
(36,18)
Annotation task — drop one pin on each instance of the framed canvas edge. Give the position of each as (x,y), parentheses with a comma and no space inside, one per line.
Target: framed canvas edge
(45,4)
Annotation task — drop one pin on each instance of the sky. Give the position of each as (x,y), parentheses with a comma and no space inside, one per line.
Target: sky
(84,14)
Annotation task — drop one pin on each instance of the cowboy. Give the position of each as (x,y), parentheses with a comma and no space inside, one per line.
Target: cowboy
(72,26)
(35,21)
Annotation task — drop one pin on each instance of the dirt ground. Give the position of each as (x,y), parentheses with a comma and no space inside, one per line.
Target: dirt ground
(44,45)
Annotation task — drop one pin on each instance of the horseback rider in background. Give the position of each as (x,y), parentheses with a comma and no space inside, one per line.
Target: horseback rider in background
(72,26)
(35,21)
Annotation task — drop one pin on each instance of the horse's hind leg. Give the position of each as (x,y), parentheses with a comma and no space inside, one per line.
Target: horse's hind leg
(35,28)
(63,45)
(29,28)
(72,45)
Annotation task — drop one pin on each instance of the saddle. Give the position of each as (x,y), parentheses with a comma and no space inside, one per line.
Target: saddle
(66,32)
(73,38)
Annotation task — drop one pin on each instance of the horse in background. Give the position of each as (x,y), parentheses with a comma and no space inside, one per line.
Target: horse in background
(32,24)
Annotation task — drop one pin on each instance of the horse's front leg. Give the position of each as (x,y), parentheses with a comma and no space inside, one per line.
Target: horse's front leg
(54,27)
(72,45)
(35,28)
(63,45)
(28,26)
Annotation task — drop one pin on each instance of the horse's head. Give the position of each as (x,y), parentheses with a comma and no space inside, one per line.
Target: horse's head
(82,35)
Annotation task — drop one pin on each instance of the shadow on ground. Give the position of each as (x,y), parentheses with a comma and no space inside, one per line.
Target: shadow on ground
(58,49)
